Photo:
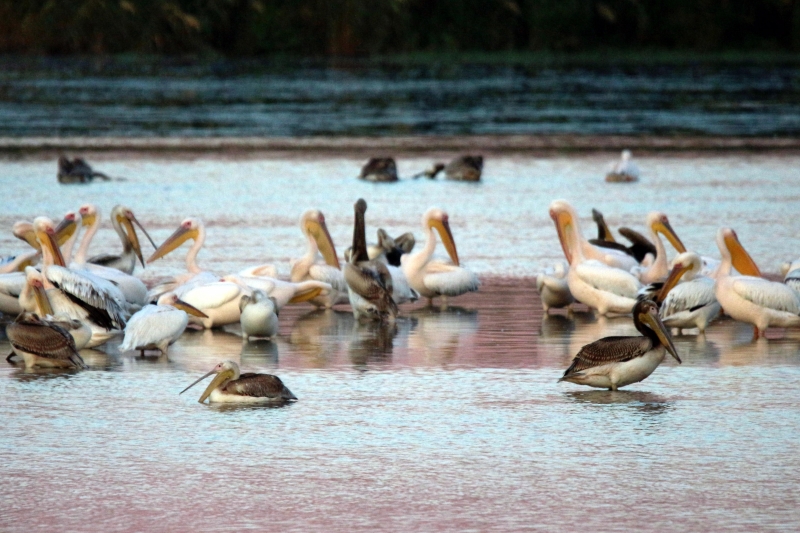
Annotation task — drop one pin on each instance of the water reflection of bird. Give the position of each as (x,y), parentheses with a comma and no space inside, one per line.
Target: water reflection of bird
(371,342)
(440,334)
(262,349)
(614,362)
(231,386)
(643,401)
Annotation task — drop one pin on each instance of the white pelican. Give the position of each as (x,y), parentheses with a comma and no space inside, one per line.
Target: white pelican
(659,270)
(610,257)
(624,170)
(230,386)
(602,287)
(692,303)
(122,219)
(434,277)
(791,274)
(284,292)
(553,288)
(614,362)
(259,315)
(369,283)
(157,326)
(313,267)
(750,298)
(42,343)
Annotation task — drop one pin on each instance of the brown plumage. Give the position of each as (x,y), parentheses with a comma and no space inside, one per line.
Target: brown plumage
(259,386)
(464,168)
(43,343)
(609,350)
(382,169)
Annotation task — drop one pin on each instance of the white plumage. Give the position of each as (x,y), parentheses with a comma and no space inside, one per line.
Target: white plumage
(691,303)
(553,288)
(259,315)
(155,327)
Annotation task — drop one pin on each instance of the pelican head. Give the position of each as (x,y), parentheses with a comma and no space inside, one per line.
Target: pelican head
(686,263)
(225,372)
(46,235)
(313,224)
(566,220)
(35,279)
(170,298)
(730,248)
(24,231)
(607,236)
(88,213)
(126,219)
(259,297)
(645,317)
(626,155)
(67,227)
(438,219)
(191,228)
(659,223)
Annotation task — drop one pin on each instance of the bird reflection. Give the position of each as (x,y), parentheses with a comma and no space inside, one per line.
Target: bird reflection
(760,351)
(263,350)
(372,342)
(644,401)
(696,349)
(320,334)
(438,334)
(37,373)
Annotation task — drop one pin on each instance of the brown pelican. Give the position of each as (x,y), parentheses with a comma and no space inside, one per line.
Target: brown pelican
(155,327)
(614,362)
(624,171)
(432,277)
(230,386)
(259,315)
(77,171)
(464,168)
(379,169)
(42,343)
(369,282)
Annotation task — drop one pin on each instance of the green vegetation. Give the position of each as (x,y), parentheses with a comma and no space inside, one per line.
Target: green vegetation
(409,28)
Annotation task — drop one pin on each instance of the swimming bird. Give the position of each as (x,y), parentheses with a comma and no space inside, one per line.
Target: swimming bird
(464,168)
(614,362)
(156,326)
(230,386)
(750,298)
(369,283)
(552,286)
(259,315)
(624,171)
(430,173)
(692,302)
(379,169)
(77,171)
(432,277)
(42,343)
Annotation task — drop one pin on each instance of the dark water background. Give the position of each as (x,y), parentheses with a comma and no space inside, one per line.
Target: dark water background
(102,97)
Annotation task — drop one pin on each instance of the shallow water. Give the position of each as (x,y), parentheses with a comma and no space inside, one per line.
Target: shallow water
(103,97)
(454,419)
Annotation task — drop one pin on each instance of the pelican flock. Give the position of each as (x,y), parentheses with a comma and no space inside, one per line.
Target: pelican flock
(61,302)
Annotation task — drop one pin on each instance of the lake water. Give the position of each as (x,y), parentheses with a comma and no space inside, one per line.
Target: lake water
(451,421)
(177,98)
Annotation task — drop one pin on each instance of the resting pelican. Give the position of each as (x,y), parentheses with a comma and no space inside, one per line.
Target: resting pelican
(42,343)
(791,275)
(284,292)
(230,386)
(259,315)
(750,298)
(123,220)
(605,288)
(624,170)
(464,168)
(613,362)
(157,326)
(434,277)
(313,267)
(369,283)
(553,288)
(692,303)
(379,169)
(610,257)
(659,270)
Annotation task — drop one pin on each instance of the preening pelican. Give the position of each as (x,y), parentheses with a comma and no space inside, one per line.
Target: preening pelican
(750,298)
(155,327)
(259,315)
(230,386)
(610,257)
(553,288)
(692,303)
(624,170)
(602,287)
(659,270)
(320,262)
(369,282)
(42,343)
(432,277)
(613,362)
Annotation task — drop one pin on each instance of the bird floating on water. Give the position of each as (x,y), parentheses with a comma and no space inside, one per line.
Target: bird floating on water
(231,386)
(624,171)
(614,362)
(379,169)
(77,171)
(42,343)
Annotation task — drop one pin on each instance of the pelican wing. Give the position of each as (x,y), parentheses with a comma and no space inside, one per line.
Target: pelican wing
(212,295)
(98,296)
(688,296)
(42,338)
(449,280)
(769,294)
(609,350)
(330,275)
(259,386)
(608,279)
